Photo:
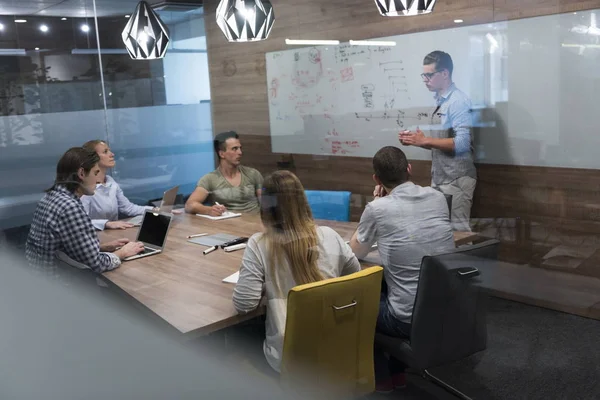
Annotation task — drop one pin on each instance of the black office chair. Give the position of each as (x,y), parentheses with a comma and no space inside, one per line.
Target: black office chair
(449,201)
(449,315)
(487,249)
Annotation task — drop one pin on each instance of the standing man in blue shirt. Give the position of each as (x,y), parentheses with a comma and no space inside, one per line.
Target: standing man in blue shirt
(450,141)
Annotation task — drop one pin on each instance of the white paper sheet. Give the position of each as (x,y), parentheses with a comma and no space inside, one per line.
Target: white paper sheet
(232,278)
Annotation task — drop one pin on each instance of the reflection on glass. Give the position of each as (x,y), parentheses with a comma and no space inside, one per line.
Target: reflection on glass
(155,114)
(539,76)
(49,101)
(158,112)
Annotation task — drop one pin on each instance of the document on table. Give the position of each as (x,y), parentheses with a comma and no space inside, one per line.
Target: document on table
(225,215)
(213,240)
(233,278)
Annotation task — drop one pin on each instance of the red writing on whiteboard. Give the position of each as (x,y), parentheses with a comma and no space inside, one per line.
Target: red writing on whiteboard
(302,104)
(336,146)
(347,74)
(344,147)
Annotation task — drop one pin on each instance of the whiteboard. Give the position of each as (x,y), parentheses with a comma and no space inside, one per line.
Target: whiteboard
(532,83)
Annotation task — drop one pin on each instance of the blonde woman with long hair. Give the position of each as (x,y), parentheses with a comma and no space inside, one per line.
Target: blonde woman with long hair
(291,251)
(109,202)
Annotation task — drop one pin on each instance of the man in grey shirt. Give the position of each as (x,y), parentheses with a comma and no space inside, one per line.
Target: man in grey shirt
(452,169)
(408,222)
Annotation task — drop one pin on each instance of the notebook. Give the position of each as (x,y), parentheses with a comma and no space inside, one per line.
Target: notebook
(225,215)
(213,240)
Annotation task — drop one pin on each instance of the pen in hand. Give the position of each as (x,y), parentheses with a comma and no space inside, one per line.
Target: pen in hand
(221,207)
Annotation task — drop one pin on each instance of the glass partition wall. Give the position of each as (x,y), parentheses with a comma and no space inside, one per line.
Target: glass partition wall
(66,78)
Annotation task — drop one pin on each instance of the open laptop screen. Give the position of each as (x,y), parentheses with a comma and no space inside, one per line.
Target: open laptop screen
(168,200)
(154,229)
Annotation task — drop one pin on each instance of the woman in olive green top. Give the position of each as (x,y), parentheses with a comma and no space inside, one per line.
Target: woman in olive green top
(231,186)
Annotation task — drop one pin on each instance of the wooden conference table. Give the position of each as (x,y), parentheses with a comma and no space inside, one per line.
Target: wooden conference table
(186,288)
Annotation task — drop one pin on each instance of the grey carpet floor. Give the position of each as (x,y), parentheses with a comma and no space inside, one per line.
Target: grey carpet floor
(532,353)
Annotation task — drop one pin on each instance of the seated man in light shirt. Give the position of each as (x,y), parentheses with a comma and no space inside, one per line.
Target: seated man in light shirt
(231,186)
(408,222)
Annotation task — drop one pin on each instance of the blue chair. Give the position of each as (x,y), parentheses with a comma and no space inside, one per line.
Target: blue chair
(329,204)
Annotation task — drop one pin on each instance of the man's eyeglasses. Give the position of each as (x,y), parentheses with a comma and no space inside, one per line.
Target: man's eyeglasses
(427,76)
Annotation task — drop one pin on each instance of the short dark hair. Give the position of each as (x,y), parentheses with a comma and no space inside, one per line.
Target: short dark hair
(69,164)
(391,166)
(221,139)
(441,60)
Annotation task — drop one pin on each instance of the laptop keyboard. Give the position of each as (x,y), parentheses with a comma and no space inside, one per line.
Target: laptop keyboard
(147,250)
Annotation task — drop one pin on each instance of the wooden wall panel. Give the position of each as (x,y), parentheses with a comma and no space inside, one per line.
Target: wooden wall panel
(564,202)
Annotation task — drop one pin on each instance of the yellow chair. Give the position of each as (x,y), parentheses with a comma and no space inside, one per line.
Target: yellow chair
(329,334)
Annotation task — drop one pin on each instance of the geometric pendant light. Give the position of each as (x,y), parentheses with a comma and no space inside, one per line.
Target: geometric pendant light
(394,8)
(145,35)
(245,20)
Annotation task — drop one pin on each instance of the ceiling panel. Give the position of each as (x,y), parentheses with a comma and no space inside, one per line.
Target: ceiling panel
(67,8)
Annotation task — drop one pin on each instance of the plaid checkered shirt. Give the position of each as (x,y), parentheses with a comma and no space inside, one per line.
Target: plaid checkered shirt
(61,223)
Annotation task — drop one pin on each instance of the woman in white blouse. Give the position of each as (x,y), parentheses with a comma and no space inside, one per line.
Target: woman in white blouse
(291,251)
(108,202)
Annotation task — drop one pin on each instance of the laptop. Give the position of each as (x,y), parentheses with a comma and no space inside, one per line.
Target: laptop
(168,200)
(153,233)
(166,205)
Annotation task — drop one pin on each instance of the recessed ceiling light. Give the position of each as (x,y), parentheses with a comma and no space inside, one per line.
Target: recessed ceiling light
(44,28)
(1,27)
(37,48)
(20,21)
(63,19)
(85,28)
(458,21)
(127,16)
